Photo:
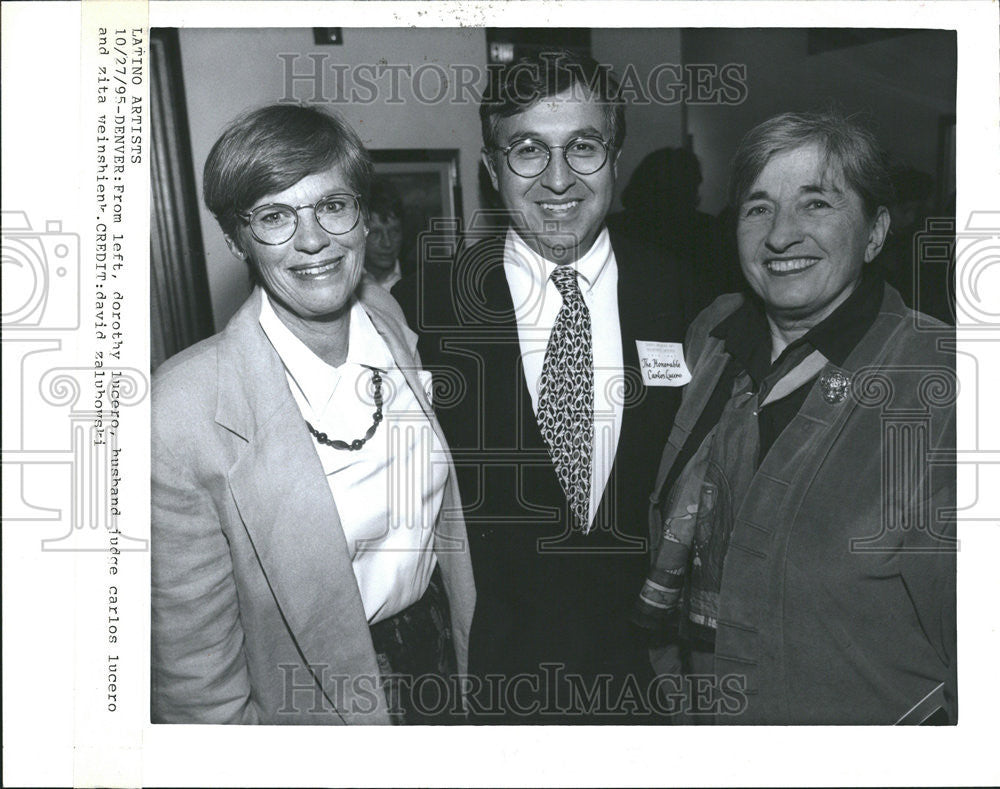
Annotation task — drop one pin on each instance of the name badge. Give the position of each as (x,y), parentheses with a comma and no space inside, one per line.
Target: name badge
(662,363)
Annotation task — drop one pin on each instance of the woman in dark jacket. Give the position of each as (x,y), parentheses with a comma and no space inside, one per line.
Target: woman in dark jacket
(804,513)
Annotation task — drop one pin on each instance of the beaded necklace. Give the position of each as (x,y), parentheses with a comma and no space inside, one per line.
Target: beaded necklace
(357,443)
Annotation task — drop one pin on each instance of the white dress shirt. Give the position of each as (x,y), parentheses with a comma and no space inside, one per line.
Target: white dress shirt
(388,493)
(536,305)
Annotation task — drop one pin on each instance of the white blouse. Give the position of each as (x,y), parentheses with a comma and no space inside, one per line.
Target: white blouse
(388,494)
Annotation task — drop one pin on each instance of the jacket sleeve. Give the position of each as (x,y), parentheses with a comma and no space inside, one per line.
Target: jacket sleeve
(199,668)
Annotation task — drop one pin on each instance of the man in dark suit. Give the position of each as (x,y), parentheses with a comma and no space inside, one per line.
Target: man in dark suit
(556,383)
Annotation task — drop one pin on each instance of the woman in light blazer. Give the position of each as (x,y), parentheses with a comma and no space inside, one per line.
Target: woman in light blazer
(309,557)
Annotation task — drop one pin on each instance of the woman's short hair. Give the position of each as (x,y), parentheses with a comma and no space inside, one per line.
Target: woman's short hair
(518,87)
(844,141)
(271,149)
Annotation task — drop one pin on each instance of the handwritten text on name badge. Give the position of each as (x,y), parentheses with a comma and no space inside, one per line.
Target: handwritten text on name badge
(662,363)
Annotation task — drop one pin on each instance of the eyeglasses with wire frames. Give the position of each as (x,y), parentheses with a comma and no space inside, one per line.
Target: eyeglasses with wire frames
(276,223)
(529,158)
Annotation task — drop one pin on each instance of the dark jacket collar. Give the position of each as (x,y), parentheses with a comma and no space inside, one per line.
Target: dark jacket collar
(747,336)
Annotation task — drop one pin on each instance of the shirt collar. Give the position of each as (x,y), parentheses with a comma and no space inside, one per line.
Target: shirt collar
(391,279)
(748,338)
(590,267)
(315,378)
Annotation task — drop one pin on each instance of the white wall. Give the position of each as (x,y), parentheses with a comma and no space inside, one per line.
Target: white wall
(903,84)
(229,71)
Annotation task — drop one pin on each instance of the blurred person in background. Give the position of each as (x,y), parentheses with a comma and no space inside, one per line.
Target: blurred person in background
(661,209)
(385,234)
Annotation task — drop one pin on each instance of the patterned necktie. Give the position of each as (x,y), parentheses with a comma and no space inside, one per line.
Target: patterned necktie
(566,395)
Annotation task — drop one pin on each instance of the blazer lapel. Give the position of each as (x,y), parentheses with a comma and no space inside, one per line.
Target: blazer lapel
(826,419)
(402,343)
(450,538)
(281,493)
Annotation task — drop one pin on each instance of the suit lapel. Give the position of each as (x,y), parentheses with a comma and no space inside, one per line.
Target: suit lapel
(648,309)
(696,397)
(511,423)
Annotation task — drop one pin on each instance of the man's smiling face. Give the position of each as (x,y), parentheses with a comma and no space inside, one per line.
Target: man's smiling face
(559,213)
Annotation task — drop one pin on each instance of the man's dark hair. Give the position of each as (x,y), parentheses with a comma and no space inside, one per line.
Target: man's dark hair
(385,201)
(518,87)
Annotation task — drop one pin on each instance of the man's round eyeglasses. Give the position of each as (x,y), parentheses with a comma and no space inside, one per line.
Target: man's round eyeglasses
(276,223)
(528,158)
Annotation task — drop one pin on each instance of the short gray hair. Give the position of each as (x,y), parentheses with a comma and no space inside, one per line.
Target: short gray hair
(844,141)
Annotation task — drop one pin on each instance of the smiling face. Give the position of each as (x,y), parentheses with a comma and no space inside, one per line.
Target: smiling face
(804,238)
(560,212)
(312,276)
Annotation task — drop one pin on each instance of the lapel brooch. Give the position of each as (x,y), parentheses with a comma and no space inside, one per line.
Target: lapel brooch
(834,386)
